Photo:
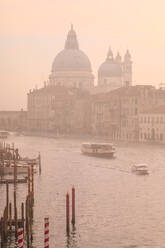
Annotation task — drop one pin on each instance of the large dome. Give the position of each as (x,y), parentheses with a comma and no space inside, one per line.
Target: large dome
(110,68)
(71,58)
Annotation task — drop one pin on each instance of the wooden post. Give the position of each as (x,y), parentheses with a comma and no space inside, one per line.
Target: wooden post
(32,176)
(22,214)
(73,205)
(15,204)
(10,216)
(13,149)
(15,173)
(2,232)
(7,198)
(29,182)
(39,159)
(5,226)
(16,224)
(67,214)
(27,222)
(30,217)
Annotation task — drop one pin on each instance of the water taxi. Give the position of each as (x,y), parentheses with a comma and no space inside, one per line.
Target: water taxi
(4,134)
(140,169)
(98,149)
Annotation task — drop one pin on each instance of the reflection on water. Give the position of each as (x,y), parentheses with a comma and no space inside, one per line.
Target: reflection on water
(71,239)
(114,208)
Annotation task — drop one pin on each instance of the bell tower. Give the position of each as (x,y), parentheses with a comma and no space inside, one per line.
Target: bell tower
(127,69)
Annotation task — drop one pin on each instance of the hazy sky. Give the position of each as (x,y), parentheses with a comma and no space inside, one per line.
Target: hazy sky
(32,33)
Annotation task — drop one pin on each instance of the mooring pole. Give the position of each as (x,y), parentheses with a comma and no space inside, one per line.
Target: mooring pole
(29,182)
(46,232)
(67,214)
(39,158)
(73,205)
(32,176)
(22,214)
(7,198)
(20,238)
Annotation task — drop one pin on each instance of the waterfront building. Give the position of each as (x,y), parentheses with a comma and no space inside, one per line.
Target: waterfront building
(116,114)
(59,110)
(13,120)
(152,125)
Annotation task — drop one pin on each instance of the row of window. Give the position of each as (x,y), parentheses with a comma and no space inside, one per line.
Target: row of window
(149,136)
(152,119)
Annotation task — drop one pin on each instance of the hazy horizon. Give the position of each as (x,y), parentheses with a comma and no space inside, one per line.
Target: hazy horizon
(33,32)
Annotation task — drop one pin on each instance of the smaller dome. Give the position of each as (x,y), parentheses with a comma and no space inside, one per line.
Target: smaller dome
(110,68)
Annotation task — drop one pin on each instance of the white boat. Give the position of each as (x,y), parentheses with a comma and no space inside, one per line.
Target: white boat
(4,134)
(98,149)
(140,169)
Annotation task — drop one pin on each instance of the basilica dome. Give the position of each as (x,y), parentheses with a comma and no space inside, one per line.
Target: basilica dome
(71,58)
(110,68)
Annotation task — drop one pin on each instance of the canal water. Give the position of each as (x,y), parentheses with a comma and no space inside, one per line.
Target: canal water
(114,208)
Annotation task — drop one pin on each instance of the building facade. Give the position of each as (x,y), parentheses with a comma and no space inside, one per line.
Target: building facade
(116,114)
(152,125)
(59,110)
(13,120)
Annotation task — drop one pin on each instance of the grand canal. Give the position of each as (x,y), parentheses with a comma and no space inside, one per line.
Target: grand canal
(114,208)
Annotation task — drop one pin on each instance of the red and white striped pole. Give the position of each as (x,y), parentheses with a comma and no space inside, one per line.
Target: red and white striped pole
(20,238)
(46,233)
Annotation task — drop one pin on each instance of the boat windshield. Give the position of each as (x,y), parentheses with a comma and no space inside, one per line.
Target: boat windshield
(97,146)
(141,166)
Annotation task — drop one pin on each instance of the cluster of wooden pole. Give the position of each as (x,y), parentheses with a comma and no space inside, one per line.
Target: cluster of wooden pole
(9,151)
(9,155)
(8,221)
(68,211)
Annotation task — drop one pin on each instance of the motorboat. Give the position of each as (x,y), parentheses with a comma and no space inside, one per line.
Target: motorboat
(106,150)
(140,169)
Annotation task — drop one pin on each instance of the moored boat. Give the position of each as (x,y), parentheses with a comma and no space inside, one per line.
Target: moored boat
(106,150)
(4,134)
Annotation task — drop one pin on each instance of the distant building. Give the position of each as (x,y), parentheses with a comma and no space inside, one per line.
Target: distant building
(59,110)
(152,125)
(13,120)
(116,114)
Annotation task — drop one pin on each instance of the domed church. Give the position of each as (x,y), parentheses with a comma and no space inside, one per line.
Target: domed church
(113,73)
(63,105)
(71,67)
